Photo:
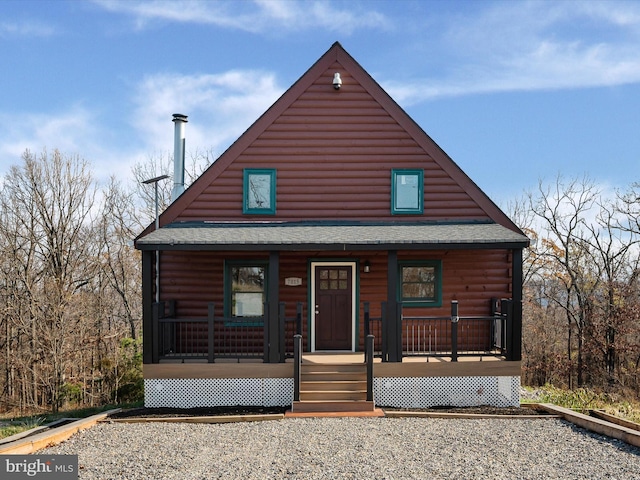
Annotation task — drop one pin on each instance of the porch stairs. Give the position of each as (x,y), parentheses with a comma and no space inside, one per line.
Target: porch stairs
(333,387)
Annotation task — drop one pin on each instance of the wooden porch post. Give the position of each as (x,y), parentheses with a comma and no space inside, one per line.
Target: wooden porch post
(211,316)
(281,330)
(394,340)
(515,348)
(273,325)
(147,306)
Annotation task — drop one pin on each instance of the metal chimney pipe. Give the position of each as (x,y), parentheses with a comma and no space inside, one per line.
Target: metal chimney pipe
(178,155)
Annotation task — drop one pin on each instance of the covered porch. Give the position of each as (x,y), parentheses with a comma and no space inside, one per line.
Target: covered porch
(472,305)
(202,348)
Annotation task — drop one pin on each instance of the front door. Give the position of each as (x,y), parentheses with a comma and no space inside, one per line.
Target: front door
(333,307)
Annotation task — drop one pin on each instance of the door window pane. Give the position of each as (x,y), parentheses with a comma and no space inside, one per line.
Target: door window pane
(333,279)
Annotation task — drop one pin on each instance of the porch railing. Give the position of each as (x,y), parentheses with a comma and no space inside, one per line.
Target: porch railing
(206,338)
(373,326)
(217,337)
(436,336)
(214,337)
(439,336)
(289,327)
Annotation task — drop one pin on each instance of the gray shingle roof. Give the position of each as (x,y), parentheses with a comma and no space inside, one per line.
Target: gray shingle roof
(279,236)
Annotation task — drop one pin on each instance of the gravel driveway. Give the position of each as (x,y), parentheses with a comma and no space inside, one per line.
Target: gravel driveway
(351,448)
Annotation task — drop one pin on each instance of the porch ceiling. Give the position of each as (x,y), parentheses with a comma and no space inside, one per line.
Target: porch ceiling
(273,236)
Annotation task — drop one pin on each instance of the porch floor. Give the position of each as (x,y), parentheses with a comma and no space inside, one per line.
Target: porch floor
(358,357)
(339,358)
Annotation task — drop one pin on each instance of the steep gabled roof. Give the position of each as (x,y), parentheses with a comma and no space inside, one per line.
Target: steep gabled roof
(335,54)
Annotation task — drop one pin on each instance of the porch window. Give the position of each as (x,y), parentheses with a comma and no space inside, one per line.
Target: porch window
(407,192)
(420,283)
(259,191)
(246,291)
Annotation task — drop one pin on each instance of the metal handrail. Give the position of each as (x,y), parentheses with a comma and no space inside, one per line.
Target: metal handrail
(369,359)
(297,361)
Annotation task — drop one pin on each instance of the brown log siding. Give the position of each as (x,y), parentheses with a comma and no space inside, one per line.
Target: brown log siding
(333,152)
(471,277)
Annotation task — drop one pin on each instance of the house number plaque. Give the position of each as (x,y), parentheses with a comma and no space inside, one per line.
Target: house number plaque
(293,281)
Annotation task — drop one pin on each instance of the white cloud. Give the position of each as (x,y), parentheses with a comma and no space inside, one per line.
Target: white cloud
(258,16)
(616,13)
(26,29)
(220,107)
(73,132)
(64,131)
(301,15)
(520,46)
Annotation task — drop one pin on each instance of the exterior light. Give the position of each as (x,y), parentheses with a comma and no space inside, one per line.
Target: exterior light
(367,267)
(337,81)
(155,181)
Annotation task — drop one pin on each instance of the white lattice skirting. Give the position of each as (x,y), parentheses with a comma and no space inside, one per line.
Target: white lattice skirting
(401,392)
(216,392)
(398,392)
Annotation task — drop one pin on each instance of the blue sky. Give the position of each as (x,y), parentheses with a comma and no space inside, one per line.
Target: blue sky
(513,91)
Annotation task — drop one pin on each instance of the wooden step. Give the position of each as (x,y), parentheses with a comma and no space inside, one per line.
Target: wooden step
(333,395)
(332,406)
(333,385)
(332,372)
(333,377)
(333,367)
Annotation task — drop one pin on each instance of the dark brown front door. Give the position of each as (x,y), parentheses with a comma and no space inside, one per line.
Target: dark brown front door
(333,307)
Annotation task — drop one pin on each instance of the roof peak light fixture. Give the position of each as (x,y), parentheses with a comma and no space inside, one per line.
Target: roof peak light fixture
(337,81)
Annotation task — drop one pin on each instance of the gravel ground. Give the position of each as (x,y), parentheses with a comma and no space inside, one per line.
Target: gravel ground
(351,448)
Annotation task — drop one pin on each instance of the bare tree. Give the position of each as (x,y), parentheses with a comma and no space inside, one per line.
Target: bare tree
(543,330)
(70,297)
(562,209)
(585,253)
(154,166)
(50,198)
(613,254)
(119,260)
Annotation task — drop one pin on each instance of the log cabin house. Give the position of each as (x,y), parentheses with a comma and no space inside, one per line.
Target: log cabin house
(334,257)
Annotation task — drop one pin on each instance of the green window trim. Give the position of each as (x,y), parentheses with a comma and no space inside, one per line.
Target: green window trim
(259,191)
(230,293)
(407,192)
(420,276)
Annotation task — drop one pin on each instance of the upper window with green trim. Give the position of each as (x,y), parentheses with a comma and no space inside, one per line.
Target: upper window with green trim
(259,191)
(420,283)
(407,192)
(245,288)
